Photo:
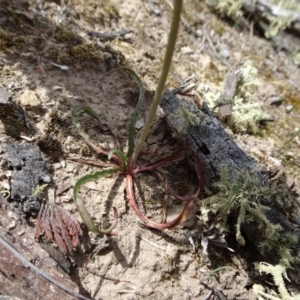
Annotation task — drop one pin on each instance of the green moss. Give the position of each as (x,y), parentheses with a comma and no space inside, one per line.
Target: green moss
(110,10)
(54,53)
(8,40)
(86,52)
(63,35)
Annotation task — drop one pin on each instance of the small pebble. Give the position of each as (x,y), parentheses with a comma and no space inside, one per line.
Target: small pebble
(78,98)
(289,108)
(122,101)
(11,215)
(4,95)
(11,85)
(57,88)
(224,51)
(11,225)
(275,100)
(21,232)
(140,123)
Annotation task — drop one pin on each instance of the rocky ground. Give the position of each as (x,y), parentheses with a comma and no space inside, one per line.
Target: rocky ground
(51,60)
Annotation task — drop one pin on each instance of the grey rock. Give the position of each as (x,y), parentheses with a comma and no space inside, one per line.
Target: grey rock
(4,95)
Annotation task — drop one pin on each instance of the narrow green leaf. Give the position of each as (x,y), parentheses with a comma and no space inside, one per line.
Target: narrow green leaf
(121,155)
(136,111)
(80,204)
(215,271)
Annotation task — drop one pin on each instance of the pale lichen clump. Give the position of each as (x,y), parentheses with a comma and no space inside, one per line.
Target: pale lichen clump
(249,197)
(230,8)
(186,115)
(280,14)
(279,23)
(38,190)
(279,274)
(246,112)
(247,194)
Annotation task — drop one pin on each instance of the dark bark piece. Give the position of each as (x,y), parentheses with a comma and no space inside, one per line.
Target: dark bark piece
(200,130)
(209,139)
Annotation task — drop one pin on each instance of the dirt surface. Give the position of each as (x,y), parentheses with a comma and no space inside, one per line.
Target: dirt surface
(36,38)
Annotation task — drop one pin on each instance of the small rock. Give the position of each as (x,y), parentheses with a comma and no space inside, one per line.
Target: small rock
(12,215)
(275,100)
(29,98)
(78,98)
(160,112)
(11,85)
(4,95)
(186,50)
(122,101)
(224,51)
(140,123)
(21,232)
(11,225)
(289,108)
(57,88)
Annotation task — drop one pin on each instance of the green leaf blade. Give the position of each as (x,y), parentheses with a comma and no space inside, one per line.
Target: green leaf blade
(136,112)
(80,204)
(121,156)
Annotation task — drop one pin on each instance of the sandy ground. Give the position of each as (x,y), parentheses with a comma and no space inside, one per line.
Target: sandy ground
(38,37)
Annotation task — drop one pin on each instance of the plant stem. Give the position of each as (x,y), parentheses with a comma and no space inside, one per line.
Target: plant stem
(162,79)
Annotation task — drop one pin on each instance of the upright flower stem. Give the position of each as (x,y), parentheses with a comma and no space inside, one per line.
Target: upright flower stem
(162,79)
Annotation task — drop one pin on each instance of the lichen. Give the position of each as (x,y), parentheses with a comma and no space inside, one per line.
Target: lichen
(246,194)
(38,190)
(230,8)
(279,274)
(283,19)
(186,115)
(279,23)
(246,112)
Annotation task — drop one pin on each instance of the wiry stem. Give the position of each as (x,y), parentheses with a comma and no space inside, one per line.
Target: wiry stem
(162,79)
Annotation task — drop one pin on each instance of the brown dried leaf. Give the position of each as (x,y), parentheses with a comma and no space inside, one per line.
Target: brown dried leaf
(59,232)
(73,226)
(46,222)
(58,225)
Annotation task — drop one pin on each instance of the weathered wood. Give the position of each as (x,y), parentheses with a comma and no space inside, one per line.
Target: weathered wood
(199,129)
(209,139)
